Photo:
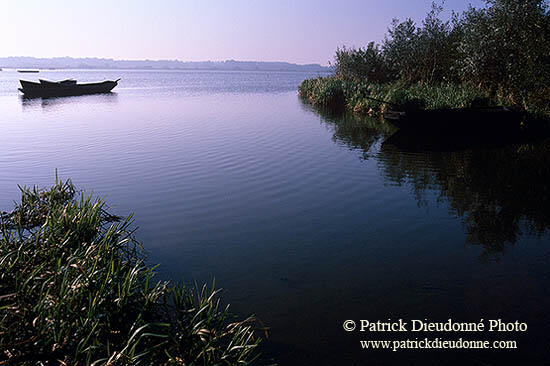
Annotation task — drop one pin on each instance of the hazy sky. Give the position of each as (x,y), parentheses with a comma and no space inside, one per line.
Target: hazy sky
(300,31)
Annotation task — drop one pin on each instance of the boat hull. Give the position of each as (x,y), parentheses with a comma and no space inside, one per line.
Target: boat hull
(459,120)
(66,82)
(52,89)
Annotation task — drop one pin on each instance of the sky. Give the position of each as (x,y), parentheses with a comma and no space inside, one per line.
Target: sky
(297,31)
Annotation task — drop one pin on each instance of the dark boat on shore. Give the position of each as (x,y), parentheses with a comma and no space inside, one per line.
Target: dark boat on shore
(28,71)
(467,120)
(63,88)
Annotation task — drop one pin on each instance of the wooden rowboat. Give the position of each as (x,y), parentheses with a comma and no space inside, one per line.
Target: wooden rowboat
(469,120)
(68,87)
(57,83)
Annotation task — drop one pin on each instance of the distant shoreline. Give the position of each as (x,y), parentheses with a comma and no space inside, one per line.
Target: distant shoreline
(9,69)
(69,63)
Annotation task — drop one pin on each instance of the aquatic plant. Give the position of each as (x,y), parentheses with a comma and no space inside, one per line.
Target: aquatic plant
(75,289)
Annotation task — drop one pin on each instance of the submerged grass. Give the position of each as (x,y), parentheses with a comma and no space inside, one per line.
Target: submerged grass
(75,290)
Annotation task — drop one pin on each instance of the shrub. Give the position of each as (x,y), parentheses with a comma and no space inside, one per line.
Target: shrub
(494,55)
(504,47)
(361,64)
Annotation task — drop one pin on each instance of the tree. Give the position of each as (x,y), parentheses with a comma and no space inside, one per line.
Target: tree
(437,43)
(506,46)
(361,64)
(423,54)
(400,49)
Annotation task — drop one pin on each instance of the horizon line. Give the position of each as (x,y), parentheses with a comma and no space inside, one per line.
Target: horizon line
(161,60)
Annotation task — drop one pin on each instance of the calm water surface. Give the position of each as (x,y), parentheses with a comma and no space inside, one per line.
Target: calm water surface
(306,219)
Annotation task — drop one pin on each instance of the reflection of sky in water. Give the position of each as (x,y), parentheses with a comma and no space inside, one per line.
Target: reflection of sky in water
(304,222)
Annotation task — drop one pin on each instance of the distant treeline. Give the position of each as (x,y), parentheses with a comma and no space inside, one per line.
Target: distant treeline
(107,63)
(499,54)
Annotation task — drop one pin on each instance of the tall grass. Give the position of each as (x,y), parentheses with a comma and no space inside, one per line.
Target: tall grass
(324,92)
(364,97)
(75,290)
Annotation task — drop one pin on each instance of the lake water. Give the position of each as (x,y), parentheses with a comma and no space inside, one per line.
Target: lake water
(306,219)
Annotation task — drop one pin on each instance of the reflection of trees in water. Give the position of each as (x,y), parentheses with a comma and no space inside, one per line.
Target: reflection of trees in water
(357,132)
(499,192)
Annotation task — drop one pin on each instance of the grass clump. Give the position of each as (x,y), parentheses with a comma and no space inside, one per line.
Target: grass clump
(324,92)
(364,97)
(75,290)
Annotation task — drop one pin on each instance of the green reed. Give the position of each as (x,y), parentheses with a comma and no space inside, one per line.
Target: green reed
(364,97)
(75,290)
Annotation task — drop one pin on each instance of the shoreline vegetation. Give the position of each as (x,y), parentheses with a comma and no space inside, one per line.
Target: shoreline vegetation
(493,56)
(75,290)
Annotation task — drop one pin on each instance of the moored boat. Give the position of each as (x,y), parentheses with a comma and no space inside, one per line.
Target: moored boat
(469,120)
(57,83)
(27,71)
(69,87)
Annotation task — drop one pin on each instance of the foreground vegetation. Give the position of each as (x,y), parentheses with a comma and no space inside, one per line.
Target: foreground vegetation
(75,290)
(497,55)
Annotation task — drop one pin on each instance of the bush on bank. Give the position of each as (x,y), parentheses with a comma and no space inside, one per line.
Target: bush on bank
(75,290)
(497,54)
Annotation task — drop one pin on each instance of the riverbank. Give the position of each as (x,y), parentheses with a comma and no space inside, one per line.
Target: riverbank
(75,289)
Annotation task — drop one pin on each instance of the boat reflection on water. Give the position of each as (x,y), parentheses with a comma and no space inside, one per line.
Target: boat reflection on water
(496,185)
(33,103)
